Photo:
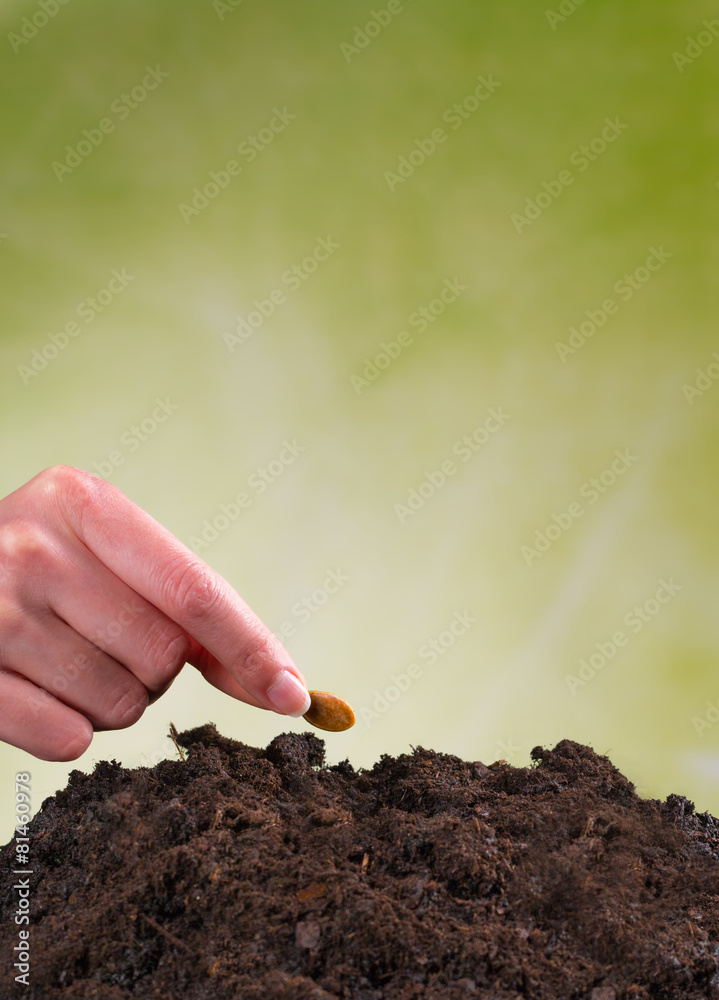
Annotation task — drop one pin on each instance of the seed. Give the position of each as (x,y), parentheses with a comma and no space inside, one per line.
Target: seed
(329,712)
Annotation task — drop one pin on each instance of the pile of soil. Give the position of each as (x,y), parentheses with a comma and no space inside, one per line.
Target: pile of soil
(245,874)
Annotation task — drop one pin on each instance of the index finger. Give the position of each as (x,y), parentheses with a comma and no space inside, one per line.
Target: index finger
(148,558)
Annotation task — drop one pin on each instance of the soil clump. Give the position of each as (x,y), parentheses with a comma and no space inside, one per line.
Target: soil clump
(267,875)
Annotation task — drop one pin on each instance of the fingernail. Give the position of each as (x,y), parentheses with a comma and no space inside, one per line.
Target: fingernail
(289,696)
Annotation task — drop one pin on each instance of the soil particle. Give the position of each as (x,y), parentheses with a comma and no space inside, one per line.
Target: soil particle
(266,875)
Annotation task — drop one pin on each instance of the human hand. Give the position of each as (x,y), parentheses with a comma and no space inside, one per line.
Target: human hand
(101,607)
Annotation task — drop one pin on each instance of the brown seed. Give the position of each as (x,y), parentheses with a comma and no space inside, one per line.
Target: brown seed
(329,712)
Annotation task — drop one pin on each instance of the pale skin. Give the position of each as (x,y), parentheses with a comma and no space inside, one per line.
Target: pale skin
(101,607)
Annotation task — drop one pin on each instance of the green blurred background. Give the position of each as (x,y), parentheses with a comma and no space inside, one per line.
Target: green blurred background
(501,687)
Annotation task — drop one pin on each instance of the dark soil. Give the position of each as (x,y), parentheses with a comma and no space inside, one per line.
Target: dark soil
(244,874)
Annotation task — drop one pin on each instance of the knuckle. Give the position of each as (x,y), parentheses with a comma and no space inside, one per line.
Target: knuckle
(25,549)
(258,653)
(128,707)
(13,624)
(57,477)
(166,649)
(195,592)
(59,482)
(177,653)
(70,489)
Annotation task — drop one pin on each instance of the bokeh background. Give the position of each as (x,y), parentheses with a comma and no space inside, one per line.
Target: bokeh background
(358,104)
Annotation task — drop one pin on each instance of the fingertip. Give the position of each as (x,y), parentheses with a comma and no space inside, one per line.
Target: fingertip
(289,695)
(70,741)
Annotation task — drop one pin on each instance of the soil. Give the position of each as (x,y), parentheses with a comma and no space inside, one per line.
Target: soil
(257,874)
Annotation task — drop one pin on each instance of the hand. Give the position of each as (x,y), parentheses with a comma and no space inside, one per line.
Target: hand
(100,608)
